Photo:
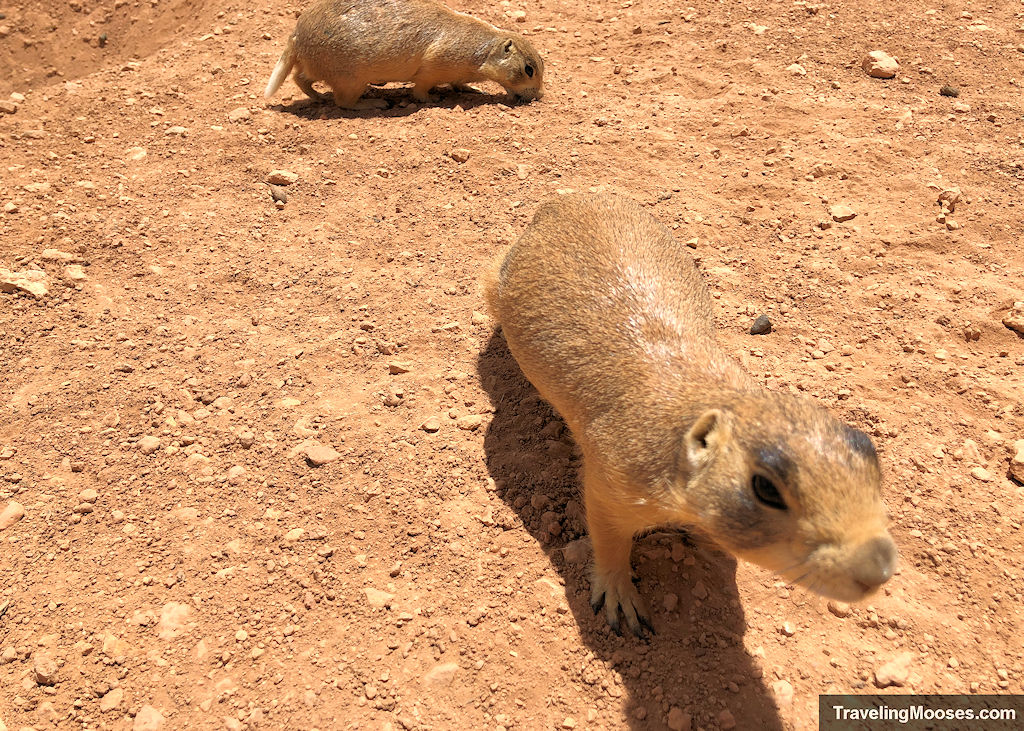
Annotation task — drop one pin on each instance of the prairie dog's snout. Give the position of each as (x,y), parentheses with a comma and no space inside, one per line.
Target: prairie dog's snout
(608,316)
(352,43)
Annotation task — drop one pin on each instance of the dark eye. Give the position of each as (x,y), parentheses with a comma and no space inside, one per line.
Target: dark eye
(765,491)
(529,70)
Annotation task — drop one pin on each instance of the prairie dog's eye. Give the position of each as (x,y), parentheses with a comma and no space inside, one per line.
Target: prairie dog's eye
(766,492)
(529,70)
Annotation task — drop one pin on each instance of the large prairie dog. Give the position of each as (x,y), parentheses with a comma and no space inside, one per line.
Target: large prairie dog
(607,315)
(352,43)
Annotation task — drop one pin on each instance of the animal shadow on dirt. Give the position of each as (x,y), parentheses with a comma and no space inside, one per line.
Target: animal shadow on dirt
(696,662)
(399,99)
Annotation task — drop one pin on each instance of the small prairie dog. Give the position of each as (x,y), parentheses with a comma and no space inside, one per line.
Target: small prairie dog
(352,43)
(608,317)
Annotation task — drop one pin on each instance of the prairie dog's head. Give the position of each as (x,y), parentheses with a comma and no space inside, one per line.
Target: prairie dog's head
(516,65)
(779,482)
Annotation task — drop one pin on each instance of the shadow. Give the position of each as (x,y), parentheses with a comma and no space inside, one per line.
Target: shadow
(400,103)
(697,661)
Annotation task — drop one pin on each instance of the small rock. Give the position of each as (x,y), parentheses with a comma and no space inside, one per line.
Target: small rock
(953,663)
(841,213)
(319,454)
(577,552)
(460,154)
(762,326)
(246,439)
(172,619)
(699,591)
(961,107)
(239,114)
(431,425)
(879,65)
(8,107)
(726,720)
(44,669)
(442,674)
(670,601)
(75,273)
(376,598)
(396,367)
(839,609)
(895,672)
(176,130)
(783,692)
(148,445)
(111,700)
(31,281)
(796,70)
(1016,464)
(1014,320)
(278,193)
(11,515)
(679,721)
(787,629)
(136,153)
(519,16)
(148,719)
(294,534)
(981,474)
(88,495)
(282,177)
(470,422)
(948,90)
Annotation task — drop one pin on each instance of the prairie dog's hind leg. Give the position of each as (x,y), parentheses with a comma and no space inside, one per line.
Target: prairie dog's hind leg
(612,576)
(306,84)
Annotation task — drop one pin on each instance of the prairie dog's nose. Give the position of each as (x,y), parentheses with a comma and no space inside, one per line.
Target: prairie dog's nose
(874,562)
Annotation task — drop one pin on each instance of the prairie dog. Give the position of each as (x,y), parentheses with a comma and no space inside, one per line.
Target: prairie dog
(352,43)
(609,318)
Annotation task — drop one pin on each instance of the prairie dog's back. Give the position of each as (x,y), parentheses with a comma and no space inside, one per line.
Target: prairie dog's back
(626,307)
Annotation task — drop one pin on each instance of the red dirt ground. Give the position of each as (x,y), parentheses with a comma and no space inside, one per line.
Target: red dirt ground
(438,580)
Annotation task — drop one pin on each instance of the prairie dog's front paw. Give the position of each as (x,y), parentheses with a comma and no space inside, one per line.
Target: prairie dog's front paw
(618,594)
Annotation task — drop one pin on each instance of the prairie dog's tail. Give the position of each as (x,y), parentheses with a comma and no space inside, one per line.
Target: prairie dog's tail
(492,282)
(281,71)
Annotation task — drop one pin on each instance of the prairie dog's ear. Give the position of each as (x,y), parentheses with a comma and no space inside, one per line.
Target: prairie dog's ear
(508,47)
(704,437)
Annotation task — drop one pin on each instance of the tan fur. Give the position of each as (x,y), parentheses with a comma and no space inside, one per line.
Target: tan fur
(352,43)
(610,319)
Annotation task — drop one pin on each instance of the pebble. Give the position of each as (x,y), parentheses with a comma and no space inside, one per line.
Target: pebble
(961,107)
(176,130)
(895,672)
(577,552)
(460,154)
(149,444)
(679,721)
(282,177)
(396,367)
(431,425)
(1017,463)
(796,70)
(111,700)
(953,663)
(670,601)
(8,107)
(879,65)
(948,90)
(841,213)
(376,598)
(318,454)
(787,629)
(239,114)
(762,326)
(783,692)
(11,514)
(148,719)
(442,674)
(136,153)
(519,16)
(470,422)
(700,591)
(30,281)
(839,609)
(44,669)
(981,474)
(726,720)
(1014,319)
(75,273)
